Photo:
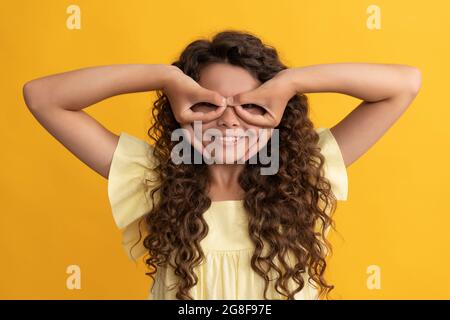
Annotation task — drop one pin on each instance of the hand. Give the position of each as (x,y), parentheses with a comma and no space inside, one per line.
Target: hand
(183,92)
(273,96)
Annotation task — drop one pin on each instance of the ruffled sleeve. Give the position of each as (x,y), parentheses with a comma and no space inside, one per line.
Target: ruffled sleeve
(334,169)
(130,176)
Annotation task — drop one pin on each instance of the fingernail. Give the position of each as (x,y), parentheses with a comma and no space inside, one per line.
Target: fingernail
(224,102)
(230,100)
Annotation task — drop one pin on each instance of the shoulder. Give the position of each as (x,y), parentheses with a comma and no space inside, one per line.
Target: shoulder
(130,174)
(132,149)
(132,166)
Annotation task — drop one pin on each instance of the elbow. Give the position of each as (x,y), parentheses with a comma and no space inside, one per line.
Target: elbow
(34,95)
(409,83)
(414,77)
(26,92)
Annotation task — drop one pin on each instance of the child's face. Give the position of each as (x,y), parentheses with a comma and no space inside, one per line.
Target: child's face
(228,80)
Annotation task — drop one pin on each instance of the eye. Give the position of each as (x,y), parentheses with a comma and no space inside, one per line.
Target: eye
(204,107)
(254,108)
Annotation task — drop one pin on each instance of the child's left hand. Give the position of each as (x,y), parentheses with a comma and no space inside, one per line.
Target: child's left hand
(273,96)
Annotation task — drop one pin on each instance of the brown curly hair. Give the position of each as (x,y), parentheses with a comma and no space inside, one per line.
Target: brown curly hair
(291,210)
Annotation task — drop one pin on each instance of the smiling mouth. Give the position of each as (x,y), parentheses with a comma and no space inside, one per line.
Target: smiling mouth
(230,139)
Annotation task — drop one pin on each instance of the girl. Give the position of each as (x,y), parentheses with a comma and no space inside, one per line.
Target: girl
(224,230)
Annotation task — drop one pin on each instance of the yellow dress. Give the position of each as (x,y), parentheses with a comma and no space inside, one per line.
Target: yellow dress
(226,272)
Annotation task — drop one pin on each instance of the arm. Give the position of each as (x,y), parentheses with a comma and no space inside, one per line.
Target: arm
(56,101)
(387,91)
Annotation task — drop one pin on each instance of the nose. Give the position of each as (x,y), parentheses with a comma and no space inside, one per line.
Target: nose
(228,119)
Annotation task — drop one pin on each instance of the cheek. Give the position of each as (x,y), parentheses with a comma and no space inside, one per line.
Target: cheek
(252,130)
(253,135)
(211,126)
(208,129)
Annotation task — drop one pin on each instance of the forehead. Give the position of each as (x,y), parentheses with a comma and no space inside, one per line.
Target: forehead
(227,79)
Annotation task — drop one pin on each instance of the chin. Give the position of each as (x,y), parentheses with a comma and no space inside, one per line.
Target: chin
(230,161)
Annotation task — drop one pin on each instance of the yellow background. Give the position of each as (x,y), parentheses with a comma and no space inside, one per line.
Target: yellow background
(55,211)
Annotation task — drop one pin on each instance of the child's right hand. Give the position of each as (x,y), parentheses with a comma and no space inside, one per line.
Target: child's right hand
(183,92)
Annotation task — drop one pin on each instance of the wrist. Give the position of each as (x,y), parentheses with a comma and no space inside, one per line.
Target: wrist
(168,73)
(293,80)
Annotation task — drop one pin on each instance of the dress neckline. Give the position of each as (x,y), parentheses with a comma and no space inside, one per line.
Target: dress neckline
(226,201)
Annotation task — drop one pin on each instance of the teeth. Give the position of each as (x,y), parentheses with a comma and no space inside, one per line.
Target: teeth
(229,139)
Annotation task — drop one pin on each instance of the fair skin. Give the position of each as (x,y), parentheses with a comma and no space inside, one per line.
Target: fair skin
(57,101)
(386,90)
(232,80)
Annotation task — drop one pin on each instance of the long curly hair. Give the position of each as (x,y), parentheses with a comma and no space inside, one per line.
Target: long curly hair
(291,211)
